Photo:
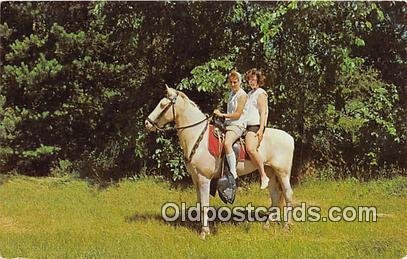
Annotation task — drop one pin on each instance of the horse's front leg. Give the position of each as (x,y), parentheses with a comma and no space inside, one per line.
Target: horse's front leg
(194,175)
(204,185)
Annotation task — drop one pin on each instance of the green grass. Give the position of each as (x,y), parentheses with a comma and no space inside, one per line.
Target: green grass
(62,217)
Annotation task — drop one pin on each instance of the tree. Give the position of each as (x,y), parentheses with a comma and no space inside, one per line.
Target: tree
(79,78)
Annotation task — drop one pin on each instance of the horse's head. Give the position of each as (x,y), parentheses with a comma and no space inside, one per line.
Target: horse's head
(164,112)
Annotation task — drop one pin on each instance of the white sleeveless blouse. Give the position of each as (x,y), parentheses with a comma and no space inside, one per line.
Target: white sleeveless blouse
(253,114)
(232,107)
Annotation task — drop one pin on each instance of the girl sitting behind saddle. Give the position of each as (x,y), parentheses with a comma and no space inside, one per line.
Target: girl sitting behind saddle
(257,112)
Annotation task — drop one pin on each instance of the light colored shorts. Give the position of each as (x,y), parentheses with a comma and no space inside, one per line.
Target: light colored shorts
(239,131)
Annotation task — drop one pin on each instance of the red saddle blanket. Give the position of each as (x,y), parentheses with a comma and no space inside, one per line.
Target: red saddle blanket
(215,145)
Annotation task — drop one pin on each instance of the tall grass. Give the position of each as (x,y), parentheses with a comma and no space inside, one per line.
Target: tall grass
(63,217)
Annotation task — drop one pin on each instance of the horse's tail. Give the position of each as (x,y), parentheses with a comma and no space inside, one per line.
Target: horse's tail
(284,143)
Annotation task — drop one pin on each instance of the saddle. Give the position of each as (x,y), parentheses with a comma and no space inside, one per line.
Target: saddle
(215,145)
(226,184)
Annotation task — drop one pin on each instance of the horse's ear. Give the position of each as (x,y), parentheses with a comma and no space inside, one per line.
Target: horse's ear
(167,90)
(170,91)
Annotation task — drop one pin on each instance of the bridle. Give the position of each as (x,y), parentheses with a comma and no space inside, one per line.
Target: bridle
(172,104)
(173,100)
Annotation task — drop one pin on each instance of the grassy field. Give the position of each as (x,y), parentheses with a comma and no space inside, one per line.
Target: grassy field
(63,217)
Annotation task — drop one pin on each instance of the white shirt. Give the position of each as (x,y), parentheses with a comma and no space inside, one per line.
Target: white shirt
(232,107)
(253,114)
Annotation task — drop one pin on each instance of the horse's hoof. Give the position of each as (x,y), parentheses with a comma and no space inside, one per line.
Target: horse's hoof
(288,227)
(266,225)
(203,235)
(274,220)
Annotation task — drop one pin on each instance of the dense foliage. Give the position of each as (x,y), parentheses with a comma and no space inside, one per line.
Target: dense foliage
(79,78)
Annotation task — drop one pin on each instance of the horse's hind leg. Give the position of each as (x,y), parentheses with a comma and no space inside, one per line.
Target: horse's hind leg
(284,178)
(275,197)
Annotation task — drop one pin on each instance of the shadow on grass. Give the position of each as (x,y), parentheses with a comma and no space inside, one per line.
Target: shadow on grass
(243,181)
(194,223)
(4,178)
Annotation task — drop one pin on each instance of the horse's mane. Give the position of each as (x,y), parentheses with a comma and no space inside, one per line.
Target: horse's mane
(184,96)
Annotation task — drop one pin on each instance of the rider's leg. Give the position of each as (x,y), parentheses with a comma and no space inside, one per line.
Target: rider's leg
(230,138)
(251,148)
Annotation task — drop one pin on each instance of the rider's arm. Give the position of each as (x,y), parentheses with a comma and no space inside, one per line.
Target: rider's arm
(262,104)
(241,102)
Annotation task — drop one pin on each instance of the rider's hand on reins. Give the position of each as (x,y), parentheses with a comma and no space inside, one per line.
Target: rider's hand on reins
(217,113)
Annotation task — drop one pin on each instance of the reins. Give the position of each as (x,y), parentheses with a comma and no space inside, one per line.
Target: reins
(197,142)
(172,104)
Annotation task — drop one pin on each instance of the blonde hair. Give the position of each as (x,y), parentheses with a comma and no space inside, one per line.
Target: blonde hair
(235,74)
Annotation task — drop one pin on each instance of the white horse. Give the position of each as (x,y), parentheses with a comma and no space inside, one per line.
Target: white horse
(276,149)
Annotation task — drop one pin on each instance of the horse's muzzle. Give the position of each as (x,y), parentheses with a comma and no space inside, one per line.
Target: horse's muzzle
(149,126)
